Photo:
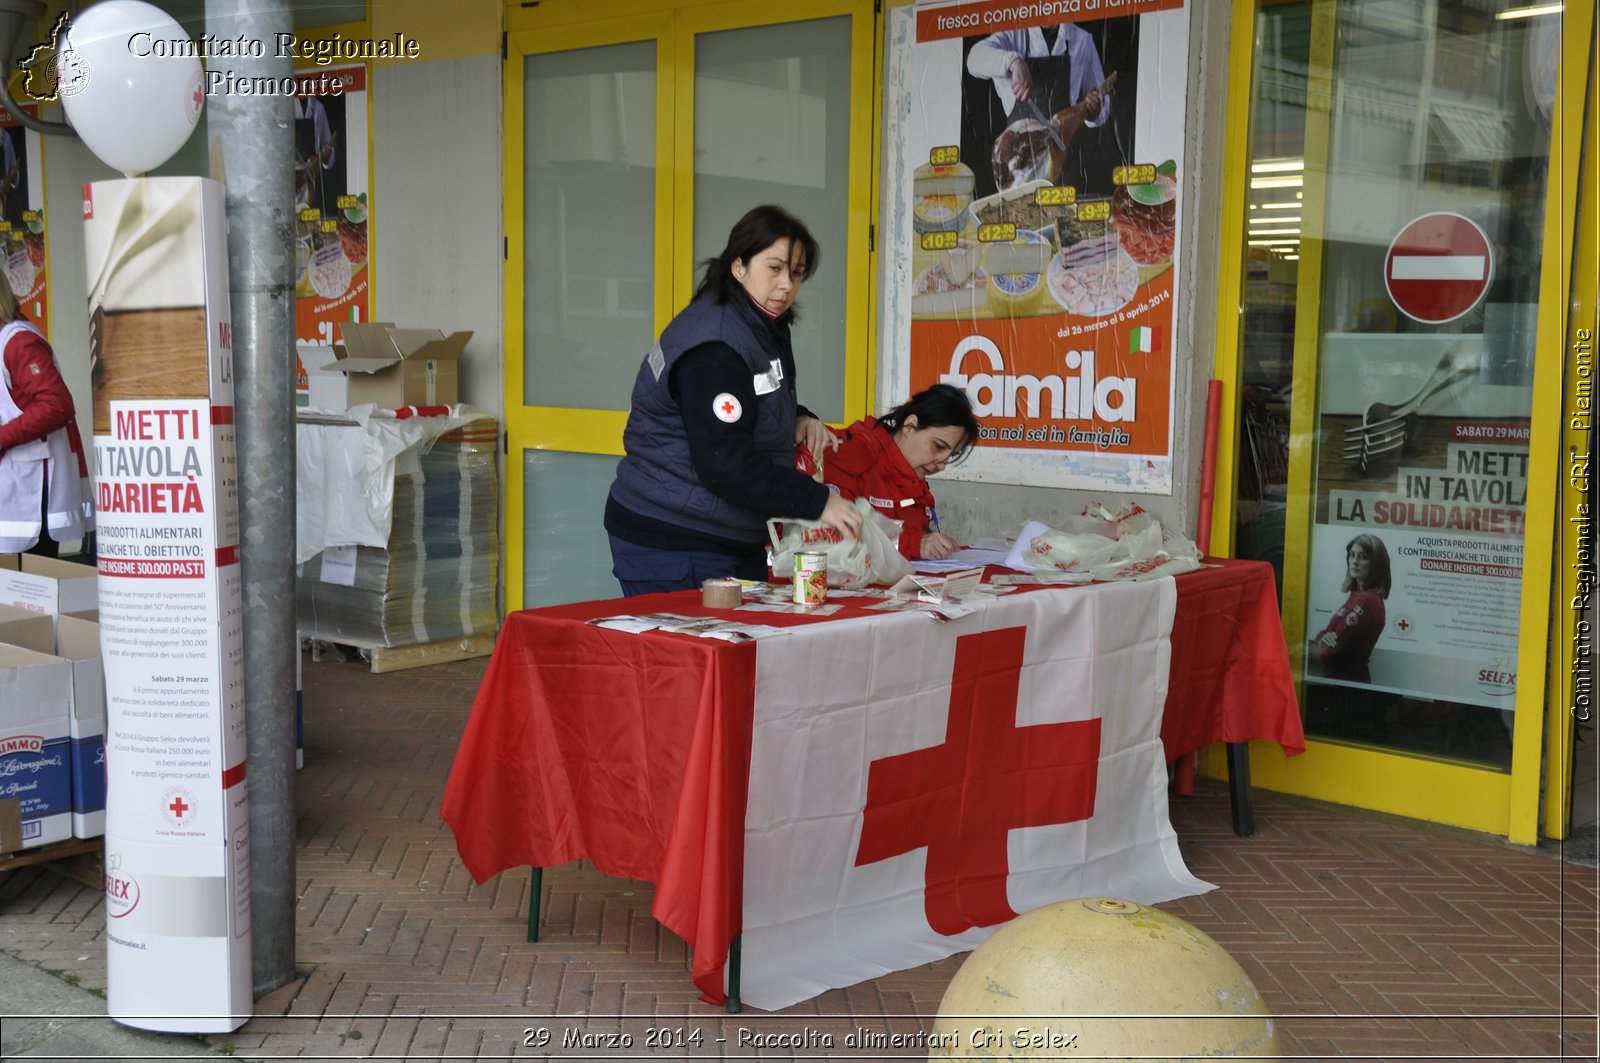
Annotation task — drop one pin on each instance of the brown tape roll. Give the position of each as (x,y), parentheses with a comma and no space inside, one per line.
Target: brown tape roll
(720,594)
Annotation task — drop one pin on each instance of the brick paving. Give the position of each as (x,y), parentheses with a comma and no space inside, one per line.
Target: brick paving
(1368,937)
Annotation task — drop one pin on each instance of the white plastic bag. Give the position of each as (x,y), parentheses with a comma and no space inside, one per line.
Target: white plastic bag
(870,559)
(1065,552)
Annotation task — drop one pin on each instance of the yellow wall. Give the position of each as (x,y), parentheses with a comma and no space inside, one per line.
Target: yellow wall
(444,31)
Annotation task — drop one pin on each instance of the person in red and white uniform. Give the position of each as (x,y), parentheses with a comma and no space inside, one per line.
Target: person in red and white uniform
(887,460)
(1343,649)
(44,480)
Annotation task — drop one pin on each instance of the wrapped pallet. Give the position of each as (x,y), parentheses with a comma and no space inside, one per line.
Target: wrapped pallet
(434,577)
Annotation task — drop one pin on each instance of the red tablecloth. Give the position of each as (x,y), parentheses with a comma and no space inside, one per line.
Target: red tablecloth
(633,750)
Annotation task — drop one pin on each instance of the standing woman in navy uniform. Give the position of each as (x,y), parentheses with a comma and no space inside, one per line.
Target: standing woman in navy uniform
(714,421)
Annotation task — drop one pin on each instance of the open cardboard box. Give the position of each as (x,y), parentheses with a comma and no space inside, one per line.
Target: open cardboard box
(394,367)
(48,585)
(35,709)
(27,628)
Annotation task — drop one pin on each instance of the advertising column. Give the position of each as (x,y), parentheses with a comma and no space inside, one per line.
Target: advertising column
(177,829)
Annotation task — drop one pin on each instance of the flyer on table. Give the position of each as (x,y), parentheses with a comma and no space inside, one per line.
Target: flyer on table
(1046,145)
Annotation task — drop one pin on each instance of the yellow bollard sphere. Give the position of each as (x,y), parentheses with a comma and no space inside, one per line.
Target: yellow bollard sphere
(1097,978)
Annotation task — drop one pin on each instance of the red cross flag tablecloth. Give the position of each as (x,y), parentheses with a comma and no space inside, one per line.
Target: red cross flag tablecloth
(874,790)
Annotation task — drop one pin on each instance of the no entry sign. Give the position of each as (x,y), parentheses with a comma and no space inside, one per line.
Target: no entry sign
(1438,267)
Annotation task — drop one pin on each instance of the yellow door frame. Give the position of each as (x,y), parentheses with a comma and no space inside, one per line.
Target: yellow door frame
(1418,786)
(552,427)
(1578,230)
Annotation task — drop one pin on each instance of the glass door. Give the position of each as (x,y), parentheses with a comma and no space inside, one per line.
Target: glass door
(589,118)
(1394,262)
(632,147)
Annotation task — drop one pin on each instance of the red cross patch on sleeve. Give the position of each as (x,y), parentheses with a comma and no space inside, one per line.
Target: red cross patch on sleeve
(726,408)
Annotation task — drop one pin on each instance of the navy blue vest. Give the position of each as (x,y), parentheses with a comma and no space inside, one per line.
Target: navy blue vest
(656,478)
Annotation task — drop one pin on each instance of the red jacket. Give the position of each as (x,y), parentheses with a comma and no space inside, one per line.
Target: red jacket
(1355,628)
(869,464)
(38,390)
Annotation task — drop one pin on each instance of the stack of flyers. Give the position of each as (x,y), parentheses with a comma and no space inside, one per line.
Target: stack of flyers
(957,586)
(700,626)
(1046,578)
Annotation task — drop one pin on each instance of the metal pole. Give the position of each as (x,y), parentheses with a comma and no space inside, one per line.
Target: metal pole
(256,136)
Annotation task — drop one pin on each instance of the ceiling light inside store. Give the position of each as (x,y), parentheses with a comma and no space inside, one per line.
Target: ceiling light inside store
(1278,166)
(1287,204)
(1528,12)
(1276,182)
(1272,243)
(1276,219)
(1275,232)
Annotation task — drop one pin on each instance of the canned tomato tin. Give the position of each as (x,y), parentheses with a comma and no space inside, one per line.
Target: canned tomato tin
(810,578)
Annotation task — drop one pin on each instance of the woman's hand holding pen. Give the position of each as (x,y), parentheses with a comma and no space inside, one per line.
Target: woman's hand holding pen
(936,546)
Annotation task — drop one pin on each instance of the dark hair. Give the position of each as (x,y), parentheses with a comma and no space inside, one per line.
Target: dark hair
(939,406)
(759,229)
(1380,582)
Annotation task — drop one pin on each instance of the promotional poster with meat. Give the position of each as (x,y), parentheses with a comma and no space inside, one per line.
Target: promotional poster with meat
(22,218)
(331,175)
(1043,157)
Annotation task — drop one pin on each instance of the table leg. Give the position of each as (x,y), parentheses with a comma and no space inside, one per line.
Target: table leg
(1183,775)
(535,887)
(1244,816)
(734,1007)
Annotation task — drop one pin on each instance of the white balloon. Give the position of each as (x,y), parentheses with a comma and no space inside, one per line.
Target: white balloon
(128,97)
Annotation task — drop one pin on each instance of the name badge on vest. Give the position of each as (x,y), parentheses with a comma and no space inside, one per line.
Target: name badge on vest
(766,383)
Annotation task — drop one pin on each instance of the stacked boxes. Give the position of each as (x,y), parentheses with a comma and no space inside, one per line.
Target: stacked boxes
(78,643)
(436,578)
(35,765)
(52,702)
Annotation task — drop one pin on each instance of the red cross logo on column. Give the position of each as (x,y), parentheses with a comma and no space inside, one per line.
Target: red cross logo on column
(178,807)
(989,777)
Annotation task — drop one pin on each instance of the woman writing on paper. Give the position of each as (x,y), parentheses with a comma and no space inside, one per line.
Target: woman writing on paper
(44,492)
(887,460)
(711,433)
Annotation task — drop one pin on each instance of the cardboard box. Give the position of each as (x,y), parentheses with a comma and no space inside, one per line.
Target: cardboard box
(26,628)
(394,367)
(46,585)
(35,742)
(10,561)
(78,641)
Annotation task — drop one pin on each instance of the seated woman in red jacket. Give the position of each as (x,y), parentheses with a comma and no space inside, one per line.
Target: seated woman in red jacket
(887,460)
(1342,649)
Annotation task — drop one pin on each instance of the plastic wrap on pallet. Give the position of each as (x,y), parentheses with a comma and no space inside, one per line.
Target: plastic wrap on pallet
(436,578)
